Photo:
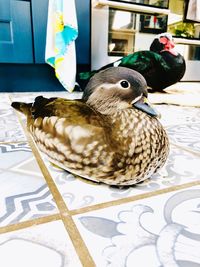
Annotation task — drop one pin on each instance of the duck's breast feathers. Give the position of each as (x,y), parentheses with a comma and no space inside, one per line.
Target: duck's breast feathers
(177,65)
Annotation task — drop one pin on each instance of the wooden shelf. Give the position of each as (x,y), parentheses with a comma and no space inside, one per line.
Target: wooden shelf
(130,7)
(186,41)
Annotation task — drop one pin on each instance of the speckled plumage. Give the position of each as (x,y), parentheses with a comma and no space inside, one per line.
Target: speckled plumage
(102,137)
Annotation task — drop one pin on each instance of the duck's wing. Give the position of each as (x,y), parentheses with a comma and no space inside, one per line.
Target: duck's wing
(75,111)
(57,115)
(73,136)
(143,61)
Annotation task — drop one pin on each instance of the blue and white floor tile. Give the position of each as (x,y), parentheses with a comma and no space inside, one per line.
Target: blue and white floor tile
(45,245)
(156,231)
(10,128)
(176,115)
(4,98)
(24,194)
(182,125)
(49,217)
(186,135)
(172,174)
(29,97)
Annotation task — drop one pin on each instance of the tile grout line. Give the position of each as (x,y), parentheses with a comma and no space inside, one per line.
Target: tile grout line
(78,242)
(29,223)
(65,214)
(191,151)
(168,126)
(13,142)
(79,245)
(132,198)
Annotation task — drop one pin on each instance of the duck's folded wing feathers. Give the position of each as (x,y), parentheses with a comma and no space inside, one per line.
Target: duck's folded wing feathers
(76,111)
(74,136)
(142,61)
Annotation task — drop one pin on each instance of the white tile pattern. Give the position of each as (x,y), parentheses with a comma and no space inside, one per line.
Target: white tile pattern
(152,232)
(42,245)
(155,223)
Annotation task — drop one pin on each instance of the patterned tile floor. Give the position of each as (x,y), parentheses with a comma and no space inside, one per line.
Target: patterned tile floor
(50,218)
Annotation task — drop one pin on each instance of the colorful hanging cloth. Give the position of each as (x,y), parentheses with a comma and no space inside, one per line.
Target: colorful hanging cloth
(62,32)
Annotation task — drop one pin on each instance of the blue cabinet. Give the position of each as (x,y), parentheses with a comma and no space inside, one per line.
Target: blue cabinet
(23,26)
(83,42)
(23,31)
(39,18)
(16,44)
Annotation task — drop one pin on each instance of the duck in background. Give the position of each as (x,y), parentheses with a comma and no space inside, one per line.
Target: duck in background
(161,66)
(112,135)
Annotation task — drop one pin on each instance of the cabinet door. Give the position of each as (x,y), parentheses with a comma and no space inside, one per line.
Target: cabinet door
(15,32)
(83,40)
(39,16)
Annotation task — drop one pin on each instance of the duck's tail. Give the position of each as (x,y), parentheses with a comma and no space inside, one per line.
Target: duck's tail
(25,108)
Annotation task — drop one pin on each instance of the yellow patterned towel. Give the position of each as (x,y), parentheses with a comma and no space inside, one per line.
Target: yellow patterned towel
(62,32)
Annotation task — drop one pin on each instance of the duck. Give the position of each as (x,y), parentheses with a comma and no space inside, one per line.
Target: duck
(161,65)
(112,135)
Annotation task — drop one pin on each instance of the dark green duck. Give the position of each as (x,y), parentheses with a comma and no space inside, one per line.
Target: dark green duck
(111,135)
(161,66)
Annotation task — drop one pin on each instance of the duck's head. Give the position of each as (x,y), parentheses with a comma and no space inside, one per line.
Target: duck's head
(117,88)
(163,42)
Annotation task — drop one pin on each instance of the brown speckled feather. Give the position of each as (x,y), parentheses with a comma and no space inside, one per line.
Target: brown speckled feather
(102,137)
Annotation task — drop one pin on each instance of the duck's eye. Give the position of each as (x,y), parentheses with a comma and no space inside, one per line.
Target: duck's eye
(125,84)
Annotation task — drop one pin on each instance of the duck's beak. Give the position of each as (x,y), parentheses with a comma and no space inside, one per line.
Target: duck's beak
(143,104)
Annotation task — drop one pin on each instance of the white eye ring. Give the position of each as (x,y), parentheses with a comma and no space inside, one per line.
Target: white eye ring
(124,84)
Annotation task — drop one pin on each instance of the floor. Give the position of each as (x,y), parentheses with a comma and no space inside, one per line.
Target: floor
(50,218)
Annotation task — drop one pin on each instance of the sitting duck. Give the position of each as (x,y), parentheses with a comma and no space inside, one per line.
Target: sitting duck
(161,66)
(112,135)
